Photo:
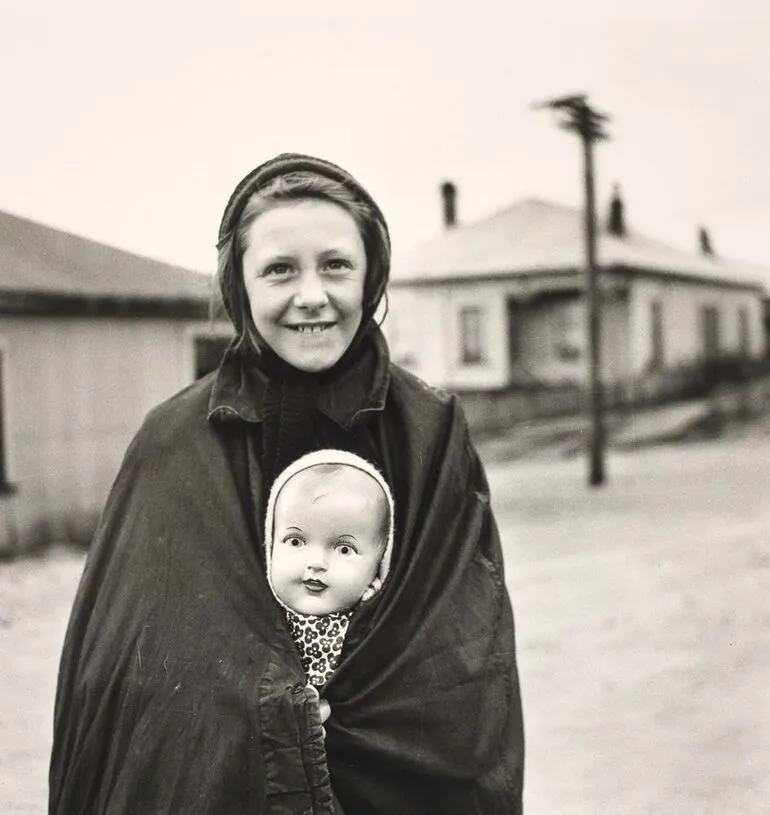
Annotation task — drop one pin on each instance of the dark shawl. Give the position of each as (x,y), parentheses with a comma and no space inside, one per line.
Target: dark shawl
(180,689)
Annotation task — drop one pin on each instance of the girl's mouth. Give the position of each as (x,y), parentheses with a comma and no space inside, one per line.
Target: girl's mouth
(315,586)
(310,328)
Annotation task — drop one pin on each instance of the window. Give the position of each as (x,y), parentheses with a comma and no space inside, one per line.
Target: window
(656,335)
(209,350)
(471,340)
(710,332)
(515,319)
(5,487)
(744,334)
(568,330)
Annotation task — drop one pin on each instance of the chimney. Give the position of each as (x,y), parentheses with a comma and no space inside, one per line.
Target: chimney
(449,195)
(704,242)
(616,224)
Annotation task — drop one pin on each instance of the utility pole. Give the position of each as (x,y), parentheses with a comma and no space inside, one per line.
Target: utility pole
(588,123)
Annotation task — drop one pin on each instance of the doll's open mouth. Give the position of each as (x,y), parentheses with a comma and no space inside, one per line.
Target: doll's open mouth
(316,586)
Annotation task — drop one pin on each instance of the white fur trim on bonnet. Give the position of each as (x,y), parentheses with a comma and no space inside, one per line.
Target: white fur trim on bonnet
(330,456)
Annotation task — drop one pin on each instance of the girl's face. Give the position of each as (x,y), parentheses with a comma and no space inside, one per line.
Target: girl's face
(303,270)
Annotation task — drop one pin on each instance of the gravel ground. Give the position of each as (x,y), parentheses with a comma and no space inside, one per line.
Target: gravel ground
(642,619)
(35,598)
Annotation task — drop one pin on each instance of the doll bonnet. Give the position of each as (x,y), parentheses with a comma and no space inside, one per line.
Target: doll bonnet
(326,457)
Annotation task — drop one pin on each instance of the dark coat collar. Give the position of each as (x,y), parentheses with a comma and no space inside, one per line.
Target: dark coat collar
(239,389)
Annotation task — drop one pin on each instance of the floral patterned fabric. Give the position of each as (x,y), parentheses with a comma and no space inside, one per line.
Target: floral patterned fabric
(319,640)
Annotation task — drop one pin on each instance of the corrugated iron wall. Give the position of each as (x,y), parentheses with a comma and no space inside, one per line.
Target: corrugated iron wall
(75,392)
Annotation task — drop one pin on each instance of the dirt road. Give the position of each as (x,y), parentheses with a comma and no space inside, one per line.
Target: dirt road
(642,619)
(643,622)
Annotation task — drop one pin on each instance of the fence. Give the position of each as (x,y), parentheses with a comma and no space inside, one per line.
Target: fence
(732,387)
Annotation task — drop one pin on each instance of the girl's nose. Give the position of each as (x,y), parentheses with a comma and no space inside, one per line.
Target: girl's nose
(311,292)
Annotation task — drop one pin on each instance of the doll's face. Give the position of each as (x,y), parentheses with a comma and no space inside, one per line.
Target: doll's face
(329,536)
(304,268)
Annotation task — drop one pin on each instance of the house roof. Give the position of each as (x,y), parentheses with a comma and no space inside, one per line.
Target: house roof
(42,262)
(539,236)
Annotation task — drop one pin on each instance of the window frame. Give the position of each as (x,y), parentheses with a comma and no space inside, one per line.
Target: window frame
(744,331)
(203,335)
(568,327)
(470,319)
(6,487)
(711,331)
(657,335)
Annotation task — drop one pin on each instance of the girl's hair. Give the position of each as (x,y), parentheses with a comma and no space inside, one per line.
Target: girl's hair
(297,186)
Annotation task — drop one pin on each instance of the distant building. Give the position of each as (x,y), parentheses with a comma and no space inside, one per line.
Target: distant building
(496,303)
(91,338)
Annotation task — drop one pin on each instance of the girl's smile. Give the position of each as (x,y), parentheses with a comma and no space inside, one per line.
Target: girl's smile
(311,328)
(304,270)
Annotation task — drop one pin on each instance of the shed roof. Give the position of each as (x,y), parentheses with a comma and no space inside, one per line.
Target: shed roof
(535,235)
(40,261)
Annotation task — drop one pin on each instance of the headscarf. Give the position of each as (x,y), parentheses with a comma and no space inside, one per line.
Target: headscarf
(292,395)
(375,235)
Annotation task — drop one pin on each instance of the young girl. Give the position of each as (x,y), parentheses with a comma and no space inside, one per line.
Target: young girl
(328,545)
(180,689)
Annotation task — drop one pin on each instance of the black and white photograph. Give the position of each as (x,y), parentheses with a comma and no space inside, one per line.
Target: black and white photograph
(384,408)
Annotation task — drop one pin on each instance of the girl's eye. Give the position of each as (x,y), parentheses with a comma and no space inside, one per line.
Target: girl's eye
(337,265)
(277,270)
(345,549)
(293,541)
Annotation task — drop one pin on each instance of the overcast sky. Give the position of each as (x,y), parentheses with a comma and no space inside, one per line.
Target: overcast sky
(131,125)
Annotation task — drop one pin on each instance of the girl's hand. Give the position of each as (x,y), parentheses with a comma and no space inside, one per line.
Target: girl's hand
(323,706)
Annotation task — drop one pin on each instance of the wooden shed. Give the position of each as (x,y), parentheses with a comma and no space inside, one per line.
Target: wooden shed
(91,337)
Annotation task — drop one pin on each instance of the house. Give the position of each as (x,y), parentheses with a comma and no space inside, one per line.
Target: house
(91,338)
(496,305)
